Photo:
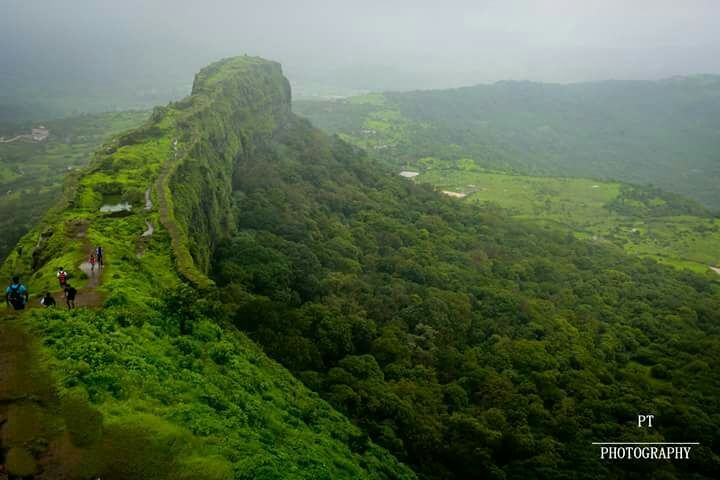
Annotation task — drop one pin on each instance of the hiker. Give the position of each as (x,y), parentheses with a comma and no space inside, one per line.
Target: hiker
(62,277)
(16,294)
(99,254)
(92,262)
(48,300)
(70,293)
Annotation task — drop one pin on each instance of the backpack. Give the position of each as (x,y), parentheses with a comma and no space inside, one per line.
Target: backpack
(62,277)
(15,297)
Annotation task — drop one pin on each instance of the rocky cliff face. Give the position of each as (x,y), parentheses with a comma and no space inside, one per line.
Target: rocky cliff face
(235,109)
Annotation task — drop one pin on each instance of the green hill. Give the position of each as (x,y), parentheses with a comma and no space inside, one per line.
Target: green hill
(152,384)
(32,173)
(446,336)
(476,143)
(656,132)
(641,220)
(469,344)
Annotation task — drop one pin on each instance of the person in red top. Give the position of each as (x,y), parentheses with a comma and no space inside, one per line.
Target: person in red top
(62,277)
(92,262)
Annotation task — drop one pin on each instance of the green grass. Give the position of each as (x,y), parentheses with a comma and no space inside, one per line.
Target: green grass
(124,171)
(582,206)
(209,405)
(223,69)
(32,174)
(573,200)
(180,396)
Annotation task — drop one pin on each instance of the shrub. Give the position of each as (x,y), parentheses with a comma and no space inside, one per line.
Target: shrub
(221,352)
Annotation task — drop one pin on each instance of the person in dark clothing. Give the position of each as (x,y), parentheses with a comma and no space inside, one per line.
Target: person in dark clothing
(70,293)
(48,300)
(16,295)
(100,256)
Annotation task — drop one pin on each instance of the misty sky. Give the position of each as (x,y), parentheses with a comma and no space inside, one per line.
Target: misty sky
(369,44)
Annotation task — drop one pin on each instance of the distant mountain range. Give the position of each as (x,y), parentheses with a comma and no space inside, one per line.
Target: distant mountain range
(663,132)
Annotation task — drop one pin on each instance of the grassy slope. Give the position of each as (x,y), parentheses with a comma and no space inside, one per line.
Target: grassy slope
(375,123)
(31,174)
(205,404)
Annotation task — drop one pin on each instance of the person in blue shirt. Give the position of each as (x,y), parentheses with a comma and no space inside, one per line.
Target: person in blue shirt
(16,294)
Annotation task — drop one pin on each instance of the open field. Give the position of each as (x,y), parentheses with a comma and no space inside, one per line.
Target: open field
(585,207)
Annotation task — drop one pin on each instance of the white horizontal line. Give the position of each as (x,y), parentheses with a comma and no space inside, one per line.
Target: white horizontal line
(646,443)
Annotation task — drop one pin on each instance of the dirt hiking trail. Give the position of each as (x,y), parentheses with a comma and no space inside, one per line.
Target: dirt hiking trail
(29,408)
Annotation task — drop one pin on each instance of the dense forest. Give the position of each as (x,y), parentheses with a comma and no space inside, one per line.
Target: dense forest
(468,344)
(300,311)
(470,240)
(521,146)
(659,132)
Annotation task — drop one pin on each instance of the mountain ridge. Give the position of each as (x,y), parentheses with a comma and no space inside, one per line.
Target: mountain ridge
(168,390)
(450,337)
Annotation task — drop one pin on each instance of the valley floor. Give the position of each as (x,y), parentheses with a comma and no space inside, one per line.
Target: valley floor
(583,206)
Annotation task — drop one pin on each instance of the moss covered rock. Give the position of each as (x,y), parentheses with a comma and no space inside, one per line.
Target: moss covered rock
(20,462)
(23,425)
(141,446)
(82,421)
